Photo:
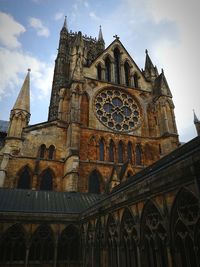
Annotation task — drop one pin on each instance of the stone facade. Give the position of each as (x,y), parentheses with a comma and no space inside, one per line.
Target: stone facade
(108,121)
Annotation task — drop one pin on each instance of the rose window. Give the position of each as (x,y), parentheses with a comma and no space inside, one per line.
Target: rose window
(117,110)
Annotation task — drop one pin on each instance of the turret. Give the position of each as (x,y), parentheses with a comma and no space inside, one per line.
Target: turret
(161,87)
(61,71)
(150,71)
(20,114)
(197,123)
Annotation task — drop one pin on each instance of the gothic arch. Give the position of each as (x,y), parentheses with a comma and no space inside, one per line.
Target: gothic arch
(138,154)
(42,245)
(51,152)
(13,245)
(130,151)
(100,67)
(92,148)
(102,149)
(24,180)
(127,73)
(121,152)
(108,68)
(153,236)
(69,245)
(183,223)
(95,182)
(112,239)
(111,152)
(42,151)
(117,61)
(46,180)
(84,116)
(129,239)
(136,79)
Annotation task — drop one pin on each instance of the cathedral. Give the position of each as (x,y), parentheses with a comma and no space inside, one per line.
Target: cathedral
(104,182)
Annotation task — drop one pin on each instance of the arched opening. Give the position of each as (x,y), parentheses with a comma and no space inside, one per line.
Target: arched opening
(94,182)
(108,69)
(42,151)
(120,152)
(12,246)
(153,237)
(111,151)
(101,149)
(69,246)
(129,257)
(127,73)
(46,180)
(138,155)
(129,151)
(184,215)
(84,117)
(117,65)
(42,245)
(112,242)
(51,152)
(99,72)
(24,181)
(135,78)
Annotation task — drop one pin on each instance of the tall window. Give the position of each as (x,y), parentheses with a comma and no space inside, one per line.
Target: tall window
(117,65)
(46,182)
(84,110)
(135,77)
(120,152)
(138,156)
(129,151)
(51,152)
(69,245)
(101,149)
(42,151)
(108,69)
(99,72)
(42,246)
(127,73)
(12,246)
(94,182)
(111,151)
(24,181)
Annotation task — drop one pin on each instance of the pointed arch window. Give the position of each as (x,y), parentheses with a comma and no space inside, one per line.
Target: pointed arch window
(42,246)
(111,151)
(117,65)
(94,182)
(101,149)
(99,72)
(138,155)
(108,69)
(69,245)
(42,151)
(46,182)
(127,73)
(51,152)
(24,181)
(12,245)
(120,152)
(129,151)
(135,78)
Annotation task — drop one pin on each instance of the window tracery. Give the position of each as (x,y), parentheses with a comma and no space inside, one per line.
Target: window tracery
(117,110)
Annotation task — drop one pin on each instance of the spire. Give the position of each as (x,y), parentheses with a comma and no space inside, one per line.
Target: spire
(64,28)
(150,70)
(23,99)
(195,118)
(100,38)
(161,86)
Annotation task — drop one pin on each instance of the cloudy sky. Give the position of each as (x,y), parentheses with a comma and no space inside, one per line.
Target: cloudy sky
(29,35)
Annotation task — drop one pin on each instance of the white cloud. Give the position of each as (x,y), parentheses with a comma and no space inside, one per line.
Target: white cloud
(93,15)
(39,27)
(41,73)
(10,31)
(59,15)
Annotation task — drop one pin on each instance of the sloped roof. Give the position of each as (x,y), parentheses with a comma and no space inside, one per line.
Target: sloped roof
(22,200)
(4,126)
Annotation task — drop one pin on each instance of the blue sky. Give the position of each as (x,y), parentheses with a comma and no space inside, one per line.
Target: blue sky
(29,35)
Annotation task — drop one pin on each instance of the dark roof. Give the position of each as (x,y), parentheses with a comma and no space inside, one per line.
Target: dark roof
(22,200)
(4,126)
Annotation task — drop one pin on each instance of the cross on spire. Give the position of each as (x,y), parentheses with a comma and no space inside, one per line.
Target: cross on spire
(116,36)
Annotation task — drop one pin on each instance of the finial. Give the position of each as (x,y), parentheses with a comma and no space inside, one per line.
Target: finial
(146,51)
(29,70)
(65,23)
(195,117)
(116,36)
(100,37)
(162,71)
